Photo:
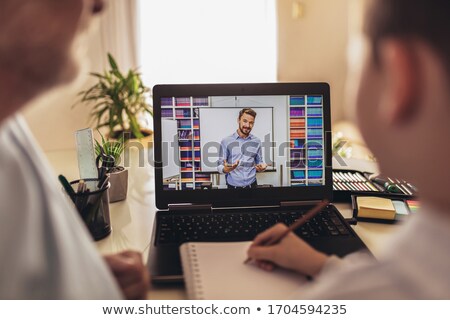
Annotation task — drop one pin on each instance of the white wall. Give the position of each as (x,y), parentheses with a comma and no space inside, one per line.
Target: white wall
(314,47)
(208,41)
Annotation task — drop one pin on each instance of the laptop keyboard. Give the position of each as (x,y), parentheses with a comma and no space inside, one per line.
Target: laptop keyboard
(176,229)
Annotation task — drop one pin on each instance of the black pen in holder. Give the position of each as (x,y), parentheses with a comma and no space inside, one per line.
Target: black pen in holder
(92,202)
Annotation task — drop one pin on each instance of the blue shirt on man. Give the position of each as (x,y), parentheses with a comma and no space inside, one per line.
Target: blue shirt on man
(245,150)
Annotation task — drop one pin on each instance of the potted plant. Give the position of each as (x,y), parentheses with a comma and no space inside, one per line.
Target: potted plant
(110,152)
(120,100)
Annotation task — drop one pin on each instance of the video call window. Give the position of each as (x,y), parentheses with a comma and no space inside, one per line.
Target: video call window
(242,142)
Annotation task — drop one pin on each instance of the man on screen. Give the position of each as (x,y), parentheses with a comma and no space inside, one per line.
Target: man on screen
(240,154)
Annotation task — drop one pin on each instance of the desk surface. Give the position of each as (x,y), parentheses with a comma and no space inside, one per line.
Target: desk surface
(132,219)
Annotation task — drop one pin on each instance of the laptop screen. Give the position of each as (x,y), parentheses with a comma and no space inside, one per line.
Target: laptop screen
(242,141)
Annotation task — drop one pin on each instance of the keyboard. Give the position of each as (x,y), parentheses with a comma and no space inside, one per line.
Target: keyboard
(179,228)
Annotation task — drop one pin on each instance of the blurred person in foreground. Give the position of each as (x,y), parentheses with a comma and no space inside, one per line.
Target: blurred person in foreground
(45,250)
(403,110)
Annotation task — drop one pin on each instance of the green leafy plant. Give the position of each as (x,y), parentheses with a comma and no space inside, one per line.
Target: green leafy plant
(118,100)
(112,148)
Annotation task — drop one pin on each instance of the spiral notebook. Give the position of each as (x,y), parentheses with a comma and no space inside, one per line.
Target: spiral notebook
(216,271)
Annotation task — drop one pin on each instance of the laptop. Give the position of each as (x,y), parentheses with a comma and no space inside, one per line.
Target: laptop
(232,160)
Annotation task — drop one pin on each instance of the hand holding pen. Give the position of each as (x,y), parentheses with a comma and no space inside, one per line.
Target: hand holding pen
(279,246)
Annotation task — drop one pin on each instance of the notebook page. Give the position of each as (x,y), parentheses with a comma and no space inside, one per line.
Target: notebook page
(216,271)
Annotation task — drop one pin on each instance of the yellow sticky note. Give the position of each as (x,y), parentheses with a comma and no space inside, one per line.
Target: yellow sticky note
(375,208)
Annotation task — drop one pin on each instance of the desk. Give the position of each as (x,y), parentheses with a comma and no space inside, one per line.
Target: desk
(132,219)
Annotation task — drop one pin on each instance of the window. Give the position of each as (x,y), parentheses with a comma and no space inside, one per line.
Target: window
(207,41)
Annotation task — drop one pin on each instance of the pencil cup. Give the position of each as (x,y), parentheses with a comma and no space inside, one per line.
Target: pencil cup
(93,207)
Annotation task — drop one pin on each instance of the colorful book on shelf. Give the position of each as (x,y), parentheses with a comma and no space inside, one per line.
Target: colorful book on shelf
(298,174)
(315,153)
(297,122)
(297,100)
(315,111)
(167,113)
(202,179)
(315,174)
(297,143)
(315,122)
(316,164)
(166,101)
(314,100)
(184,123)
(297,112)
(200,175)
(297,130)
(200,101)
(185,134)
(183,101)
(196,123)
(298,154)
(315,133)
(297,164)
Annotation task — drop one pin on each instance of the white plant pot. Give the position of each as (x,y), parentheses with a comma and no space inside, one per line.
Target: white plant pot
(119,185)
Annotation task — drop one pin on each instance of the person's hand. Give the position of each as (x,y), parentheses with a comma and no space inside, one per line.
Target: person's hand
(261,167)
(227,168)
(130,273)
(290,253)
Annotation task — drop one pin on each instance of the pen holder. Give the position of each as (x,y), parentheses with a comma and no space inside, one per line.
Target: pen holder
(93,207)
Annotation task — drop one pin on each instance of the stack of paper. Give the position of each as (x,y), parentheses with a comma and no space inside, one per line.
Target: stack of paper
(375,208)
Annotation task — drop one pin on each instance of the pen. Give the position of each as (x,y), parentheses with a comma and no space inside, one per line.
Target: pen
(79,199)
(81,185)
(66,185)
(103,183)
(309,215)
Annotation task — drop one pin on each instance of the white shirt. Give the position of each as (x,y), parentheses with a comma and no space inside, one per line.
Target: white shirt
(45,250)
(415,266)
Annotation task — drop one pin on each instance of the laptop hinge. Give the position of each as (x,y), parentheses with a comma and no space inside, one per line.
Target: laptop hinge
(189,206)
(298,203)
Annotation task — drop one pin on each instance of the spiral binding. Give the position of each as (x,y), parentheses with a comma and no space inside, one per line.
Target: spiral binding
(194,284)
